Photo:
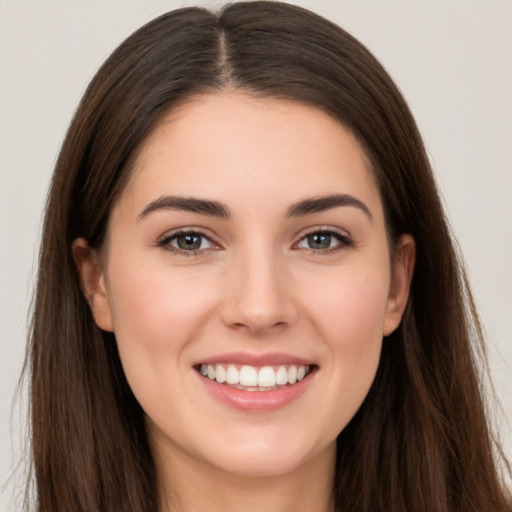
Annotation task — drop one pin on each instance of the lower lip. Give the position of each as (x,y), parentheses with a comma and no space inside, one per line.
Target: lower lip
(257,401)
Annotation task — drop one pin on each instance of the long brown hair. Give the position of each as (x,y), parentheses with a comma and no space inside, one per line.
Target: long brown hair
(420,441)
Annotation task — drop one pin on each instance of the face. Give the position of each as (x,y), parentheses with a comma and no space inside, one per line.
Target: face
(247,278)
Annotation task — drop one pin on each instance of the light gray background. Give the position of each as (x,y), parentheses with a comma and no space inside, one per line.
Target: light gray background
(452,60)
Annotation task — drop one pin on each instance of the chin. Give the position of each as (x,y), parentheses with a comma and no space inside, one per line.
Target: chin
(266,455)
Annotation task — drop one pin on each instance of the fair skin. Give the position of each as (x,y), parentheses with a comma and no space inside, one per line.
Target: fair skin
(264,280)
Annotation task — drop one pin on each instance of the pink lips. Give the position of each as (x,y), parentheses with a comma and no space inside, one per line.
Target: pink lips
(257,401)
(271,359)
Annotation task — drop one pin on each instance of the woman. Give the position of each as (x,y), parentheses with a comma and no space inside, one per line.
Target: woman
(248,295)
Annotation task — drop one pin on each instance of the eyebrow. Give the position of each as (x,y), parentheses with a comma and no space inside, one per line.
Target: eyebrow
(216,209)
(321,204)
(188,204)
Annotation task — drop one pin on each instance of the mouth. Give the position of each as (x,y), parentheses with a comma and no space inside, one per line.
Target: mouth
(256,383)
(255,378)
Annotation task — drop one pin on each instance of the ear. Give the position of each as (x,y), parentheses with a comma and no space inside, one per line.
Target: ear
(92,282)
(403,266)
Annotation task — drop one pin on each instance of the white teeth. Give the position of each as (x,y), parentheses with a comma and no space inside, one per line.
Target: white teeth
(281,376)
(254,379)
(248,376)
(292,374)
(233,375)
(220,374)
(267,377)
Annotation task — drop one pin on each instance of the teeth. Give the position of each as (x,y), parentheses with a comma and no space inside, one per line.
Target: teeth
(248,376)
(233,375)
(292,374)
(282,376)
(255,379)
(267,377)
(220,374)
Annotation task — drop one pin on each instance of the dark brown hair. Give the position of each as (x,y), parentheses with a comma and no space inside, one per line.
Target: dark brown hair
(420,441)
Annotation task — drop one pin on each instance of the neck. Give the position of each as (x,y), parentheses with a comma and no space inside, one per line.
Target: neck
(189,485)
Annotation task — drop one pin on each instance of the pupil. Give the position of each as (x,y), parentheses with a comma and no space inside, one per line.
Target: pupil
(319,241)
(189,242)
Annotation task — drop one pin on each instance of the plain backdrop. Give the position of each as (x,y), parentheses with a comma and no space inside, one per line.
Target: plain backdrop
(452,60)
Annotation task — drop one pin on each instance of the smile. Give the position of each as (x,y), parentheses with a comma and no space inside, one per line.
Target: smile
(252,378)
(256,383)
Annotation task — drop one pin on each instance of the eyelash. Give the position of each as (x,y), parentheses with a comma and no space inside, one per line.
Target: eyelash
(344,242)
(165,242)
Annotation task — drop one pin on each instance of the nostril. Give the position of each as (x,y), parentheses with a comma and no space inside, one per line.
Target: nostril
(256,328)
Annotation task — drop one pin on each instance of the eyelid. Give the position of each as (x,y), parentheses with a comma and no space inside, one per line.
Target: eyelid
(164,241)
(344,238)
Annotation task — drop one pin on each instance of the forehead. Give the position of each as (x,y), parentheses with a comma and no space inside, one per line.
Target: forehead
(246,148)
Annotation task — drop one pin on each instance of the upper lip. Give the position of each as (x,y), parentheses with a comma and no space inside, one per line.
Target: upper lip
(245,358)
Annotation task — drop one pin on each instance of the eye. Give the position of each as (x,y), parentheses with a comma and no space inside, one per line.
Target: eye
(323,241)
(187,241)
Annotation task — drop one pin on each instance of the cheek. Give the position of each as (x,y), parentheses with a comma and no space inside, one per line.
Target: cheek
(351,307)
(349,318)
(156,315)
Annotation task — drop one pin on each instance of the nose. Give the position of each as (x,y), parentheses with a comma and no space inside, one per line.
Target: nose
(259,296)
